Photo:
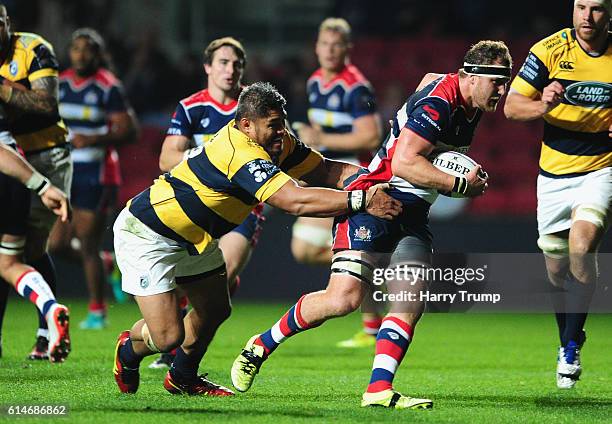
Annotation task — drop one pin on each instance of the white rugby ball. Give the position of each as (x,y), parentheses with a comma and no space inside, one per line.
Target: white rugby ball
(453,163)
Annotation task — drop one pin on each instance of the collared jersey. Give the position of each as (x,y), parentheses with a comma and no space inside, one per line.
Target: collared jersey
(439,114)
(85,106)
(30,58)
(575,138)
(215,189)
(199,117)
(335,104)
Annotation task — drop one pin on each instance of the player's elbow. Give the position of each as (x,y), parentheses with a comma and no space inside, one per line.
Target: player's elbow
(164,164)
(402,165)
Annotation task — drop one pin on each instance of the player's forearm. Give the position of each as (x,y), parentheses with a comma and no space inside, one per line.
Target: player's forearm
(522,108)
(418,171)
(320,203)
(33,101)
(122,133)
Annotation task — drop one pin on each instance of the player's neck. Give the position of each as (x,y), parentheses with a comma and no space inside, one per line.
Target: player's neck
(330,74)
(594,47)
(221,96)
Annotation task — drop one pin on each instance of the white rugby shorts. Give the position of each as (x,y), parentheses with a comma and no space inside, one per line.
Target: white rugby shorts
(150,263)
(557,197)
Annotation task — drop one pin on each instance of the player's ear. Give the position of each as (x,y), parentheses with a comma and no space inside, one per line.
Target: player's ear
(207,68)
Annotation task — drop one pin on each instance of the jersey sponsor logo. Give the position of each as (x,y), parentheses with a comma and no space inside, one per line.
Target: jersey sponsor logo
(566,65)
(144,281)
(205,122)
(591,94)
(174,131)
(13,68)
(435,115)
(259,169)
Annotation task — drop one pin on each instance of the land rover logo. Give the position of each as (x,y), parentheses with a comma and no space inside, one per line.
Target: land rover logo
(589,94)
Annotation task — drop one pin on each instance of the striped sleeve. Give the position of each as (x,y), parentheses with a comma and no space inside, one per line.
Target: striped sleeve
(301,158)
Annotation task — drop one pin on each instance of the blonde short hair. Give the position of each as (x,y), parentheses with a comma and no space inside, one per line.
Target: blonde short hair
(339,25)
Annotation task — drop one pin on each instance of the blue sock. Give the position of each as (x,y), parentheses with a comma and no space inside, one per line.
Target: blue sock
(578,299)
(44,265)
(129,358)
(557,297)
(185,367)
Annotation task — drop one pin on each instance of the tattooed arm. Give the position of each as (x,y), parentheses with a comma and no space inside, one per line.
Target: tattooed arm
(41,99)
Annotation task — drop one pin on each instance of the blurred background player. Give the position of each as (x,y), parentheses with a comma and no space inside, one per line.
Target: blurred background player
(441,116)
(16,177)
(162,244)
(344,125)
(29,94)
(195,121)
(98,117)
(561,82)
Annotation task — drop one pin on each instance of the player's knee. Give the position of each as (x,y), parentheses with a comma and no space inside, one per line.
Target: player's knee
(557,279)
(164,340)
(553,246)
(344,302)
(311,245)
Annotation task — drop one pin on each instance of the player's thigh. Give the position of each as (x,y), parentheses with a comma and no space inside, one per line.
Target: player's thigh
(555,199)
(209,296)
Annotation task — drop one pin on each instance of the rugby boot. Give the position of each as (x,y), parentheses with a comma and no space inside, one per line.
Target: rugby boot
(199,386)
(40,350)
(58,322)
(247,364)
(127,379)
(395,400)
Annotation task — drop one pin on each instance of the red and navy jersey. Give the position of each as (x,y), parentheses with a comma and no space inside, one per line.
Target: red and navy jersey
(335,104)
(85,105)
(199,117)
(437,113)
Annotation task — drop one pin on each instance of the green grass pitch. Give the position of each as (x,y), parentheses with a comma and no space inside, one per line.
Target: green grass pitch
(476,368)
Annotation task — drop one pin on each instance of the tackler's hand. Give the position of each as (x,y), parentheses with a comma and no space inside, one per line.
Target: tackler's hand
(380,204)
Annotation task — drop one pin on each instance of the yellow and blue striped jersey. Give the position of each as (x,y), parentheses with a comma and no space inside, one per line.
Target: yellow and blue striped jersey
(214,190)
(575,138)
(31,57)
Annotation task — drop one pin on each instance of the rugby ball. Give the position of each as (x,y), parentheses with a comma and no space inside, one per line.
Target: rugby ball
(456,164)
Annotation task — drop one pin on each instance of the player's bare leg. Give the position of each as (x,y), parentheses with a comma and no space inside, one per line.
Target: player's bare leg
(89,229)
(211,306)
(160,330)
(30,284)
(310,245)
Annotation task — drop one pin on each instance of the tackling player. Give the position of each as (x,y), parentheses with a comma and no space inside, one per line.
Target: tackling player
(196,120)
(567,81)
(344,125)
(441,116)
(168,234)
(29,71)
(98,116)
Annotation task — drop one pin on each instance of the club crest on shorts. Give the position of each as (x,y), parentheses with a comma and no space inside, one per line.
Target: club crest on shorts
(363,234)
(144,281)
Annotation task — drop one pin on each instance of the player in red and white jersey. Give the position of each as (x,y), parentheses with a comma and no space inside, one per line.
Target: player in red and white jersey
(343,124)
(441,115)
